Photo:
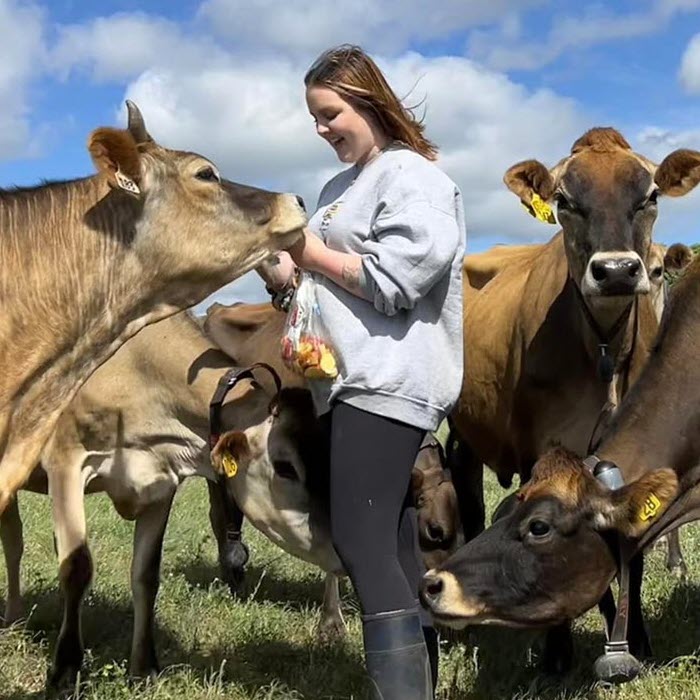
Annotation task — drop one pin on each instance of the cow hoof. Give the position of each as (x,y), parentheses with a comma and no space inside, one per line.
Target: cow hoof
(13,613)
(67,662)
(232,562)
(331,631)
(617,667)
(63,678)
(146,672)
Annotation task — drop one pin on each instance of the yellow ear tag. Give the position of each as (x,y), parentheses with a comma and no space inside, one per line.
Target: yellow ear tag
(541,210)
(230,465)
(650,508)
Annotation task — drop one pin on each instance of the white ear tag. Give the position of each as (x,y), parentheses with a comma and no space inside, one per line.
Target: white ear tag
(126,183)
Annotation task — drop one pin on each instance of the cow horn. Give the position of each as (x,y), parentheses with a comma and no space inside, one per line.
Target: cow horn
(136,125)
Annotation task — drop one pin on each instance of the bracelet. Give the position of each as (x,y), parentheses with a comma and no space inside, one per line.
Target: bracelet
(282,298)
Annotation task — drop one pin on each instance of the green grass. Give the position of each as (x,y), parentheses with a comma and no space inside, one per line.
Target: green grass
(263,646)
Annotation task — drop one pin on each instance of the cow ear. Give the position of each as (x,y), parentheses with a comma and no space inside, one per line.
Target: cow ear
(532,182)
(231,452)
(115,155)
(678,173)
(678,257)
(633,508)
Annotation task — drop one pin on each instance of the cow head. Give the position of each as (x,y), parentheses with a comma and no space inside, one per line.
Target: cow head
(288,444)
(662,260)
(548,558)
(436,505)
(606,202)
(189,225)
(280,478)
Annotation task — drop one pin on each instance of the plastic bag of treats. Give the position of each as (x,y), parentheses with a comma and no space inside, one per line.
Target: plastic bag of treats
(304,346)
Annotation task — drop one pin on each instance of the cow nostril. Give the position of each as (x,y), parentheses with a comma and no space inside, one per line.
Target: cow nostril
(598,271)
(634,268)
(301,202)
(435,532)
(433,586)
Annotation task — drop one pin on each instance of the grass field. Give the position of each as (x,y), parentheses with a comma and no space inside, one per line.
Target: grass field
(263,646)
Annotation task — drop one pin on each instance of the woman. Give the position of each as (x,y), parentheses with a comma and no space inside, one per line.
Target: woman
(385,249)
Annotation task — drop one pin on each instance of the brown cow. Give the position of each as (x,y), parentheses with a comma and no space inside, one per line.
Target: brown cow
(139,426)
(251,333)
(654,441)
(554,341)
(534,365)
(85,264)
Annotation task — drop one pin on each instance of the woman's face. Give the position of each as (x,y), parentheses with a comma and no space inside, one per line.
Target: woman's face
(353,134)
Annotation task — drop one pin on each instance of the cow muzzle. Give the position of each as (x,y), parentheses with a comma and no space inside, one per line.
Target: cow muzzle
(442,595)
(615,274)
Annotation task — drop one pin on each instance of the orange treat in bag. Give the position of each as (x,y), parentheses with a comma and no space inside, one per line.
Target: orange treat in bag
(303,348)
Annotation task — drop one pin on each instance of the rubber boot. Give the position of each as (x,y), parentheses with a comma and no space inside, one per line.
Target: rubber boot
(396,656)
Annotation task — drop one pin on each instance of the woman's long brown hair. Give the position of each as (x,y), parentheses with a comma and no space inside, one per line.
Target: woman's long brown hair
(350,72)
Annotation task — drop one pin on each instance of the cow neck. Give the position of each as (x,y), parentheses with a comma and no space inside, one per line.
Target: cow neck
(613,347)
(657,424)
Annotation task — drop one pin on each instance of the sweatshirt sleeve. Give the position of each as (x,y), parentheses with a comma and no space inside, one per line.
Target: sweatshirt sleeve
(411,247)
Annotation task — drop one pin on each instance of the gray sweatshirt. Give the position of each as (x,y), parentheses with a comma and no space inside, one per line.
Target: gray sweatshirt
(400,354)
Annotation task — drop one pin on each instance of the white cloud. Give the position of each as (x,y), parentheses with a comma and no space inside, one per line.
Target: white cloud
(309,26)
(246,111)
(252,120)
(21,59)
(690,66)
(121,46)
(595,25)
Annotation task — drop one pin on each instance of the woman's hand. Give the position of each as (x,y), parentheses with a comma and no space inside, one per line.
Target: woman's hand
(277,271)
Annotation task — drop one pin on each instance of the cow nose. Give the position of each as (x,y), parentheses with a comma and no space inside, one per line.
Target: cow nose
(431,589)
(619,275)
(300,200)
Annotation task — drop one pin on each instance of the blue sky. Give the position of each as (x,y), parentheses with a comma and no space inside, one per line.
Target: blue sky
(502,80)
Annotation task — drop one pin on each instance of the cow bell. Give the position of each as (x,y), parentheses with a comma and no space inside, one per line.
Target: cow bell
(609,474)
(616,665)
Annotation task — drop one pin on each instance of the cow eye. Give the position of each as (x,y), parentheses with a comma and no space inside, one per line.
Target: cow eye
(563,204)
(650,201)
(539,528)
(657,272)
(207,174)
(285,469)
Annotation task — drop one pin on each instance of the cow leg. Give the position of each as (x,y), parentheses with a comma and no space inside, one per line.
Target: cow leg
(558,653)
(637,635)
(74,567)
(331,627)
(13,547)
(145,581)
(233,553)
(468,478)
(675,563)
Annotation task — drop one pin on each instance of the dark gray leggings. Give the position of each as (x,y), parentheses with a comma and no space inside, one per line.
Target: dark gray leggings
(373,519)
